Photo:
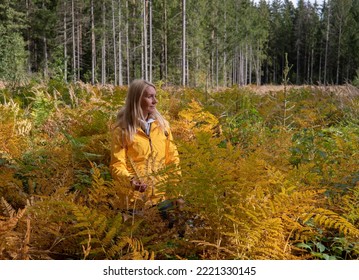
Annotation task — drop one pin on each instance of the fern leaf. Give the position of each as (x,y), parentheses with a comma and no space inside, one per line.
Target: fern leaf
(10,211)
(329,219)
(113,230)
(14,217)
(138,251)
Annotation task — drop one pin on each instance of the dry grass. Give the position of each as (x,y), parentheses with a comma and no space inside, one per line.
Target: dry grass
(345,90)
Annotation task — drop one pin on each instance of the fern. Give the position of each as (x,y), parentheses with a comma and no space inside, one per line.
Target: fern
(194,120)
(256,191)
(349,203)
(43,106)
(265,211)
(12,140)
(101,193)
(137,250)
(13,217)
(264,239)
(330,220)
(106,238)
(12,244)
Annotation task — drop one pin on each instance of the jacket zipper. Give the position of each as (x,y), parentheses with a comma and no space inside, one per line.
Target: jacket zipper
(151,154)
(150,141)
(149,138)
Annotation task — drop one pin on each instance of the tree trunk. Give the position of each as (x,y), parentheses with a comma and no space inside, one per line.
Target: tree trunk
(93,45)
(241,66)
(258,67)
(224,52)
(187,70)
(73,40)
(247,61)
(103,52)
(250,64)
(65,41)
(338,57)
(79,47)
(217,65)
(298,62)
(234,66)
(311,66)
(127,45)
(120,77)
(183,42)
(114,41)
(320,67)
(144,41)
(197,67)
(327,44)
(166,44)
(150,34)
(46,60)
(343,9)
(28,37)
(211,69)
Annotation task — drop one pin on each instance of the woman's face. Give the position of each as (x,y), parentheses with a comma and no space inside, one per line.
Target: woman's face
(148,101)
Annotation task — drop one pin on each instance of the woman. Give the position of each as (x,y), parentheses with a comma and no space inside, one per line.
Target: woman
(142,144)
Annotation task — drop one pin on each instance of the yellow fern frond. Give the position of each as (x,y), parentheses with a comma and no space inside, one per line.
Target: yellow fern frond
(137,250)
(331,220)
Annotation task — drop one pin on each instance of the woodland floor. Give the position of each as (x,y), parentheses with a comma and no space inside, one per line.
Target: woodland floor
(340,90)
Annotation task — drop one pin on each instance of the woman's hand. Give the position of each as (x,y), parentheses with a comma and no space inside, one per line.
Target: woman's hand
(138,185)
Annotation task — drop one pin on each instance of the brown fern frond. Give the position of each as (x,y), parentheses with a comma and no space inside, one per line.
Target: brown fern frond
(86,250)
(14,217)
(26,242)
(10,211)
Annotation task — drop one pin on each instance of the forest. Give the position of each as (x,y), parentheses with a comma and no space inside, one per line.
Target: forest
(192,43)
(263,103)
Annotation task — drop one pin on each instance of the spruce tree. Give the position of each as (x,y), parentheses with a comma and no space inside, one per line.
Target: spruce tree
(12,46)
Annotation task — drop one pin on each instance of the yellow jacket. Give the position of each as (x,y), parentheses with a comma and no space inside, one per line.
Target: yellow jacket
(144,158)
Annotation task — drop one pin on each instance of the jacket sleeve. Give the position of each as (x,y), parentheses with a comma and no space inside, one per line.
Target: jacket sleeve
(118,166)
(172,156)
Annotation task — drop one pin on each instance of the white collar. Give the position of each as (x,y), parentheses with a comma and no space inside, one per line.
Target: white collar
(147,125)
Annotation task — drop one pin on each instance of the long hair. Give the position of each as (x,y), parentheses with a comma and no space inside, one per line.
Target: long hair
(130,117)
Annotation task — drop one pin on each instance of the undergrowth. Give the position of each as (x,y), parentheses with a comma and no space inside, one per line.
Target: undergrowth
(253,187)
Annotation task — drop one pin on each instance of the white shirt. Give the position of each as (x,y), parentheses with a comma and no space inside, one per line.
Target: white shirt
(147,125)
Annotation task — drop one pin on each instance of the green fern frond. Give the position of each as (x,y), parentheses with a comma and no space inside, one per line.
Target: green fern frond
(113,230)
(117,249)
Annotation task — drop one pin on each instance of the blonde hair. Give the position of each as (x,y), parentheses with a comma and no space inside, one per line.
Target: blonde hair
(130,116)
